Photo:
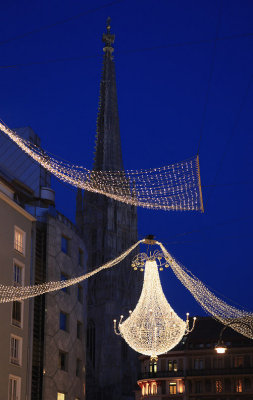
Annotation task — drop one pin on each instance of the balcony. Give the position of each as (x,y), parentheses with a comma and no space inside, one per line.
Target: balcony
(219,371)
(161,374)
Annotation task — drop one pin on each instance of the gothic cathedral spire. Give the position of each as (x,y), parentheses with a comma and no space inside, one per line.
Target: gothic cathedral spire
(108,154)
(108,228)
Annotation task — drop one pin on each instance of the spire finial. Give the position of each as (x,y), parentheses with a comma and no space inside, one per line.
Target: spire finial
(108,25)
(108,38)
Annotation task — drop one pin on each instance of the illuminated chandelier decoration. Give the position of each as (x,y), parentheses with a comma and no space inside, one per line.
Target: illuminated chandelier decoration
(174,187)
(153,327)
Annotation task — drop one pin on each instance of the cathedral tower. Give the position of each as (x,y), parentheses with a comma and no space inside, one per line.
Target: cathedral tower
(109,227)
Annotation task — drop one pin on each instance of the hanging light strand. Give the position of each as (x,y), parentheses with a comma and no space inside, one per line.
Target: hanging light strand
(174,187)
(14,293)
(219,309)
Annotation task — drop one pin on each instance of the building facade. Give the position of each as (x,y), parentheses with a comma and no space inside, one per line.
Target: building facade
(16,268)
(109,228)
(47,334)
(193,370)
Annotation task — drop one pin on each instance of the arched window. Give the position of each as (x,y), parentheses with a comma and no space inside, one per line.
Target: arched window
(91,342)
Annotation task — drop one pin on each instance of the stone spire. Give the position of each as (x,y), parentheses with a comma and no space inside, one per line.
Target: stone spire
(108,154)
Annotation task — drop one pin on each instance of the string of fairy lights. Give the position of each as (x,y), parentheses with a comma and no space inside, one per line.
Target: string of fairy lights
(174,187)
(219,309)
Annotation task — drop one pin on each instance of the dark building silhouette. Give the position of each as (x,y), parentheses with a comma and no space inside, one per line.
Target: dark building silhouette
(109,228)
(194,371)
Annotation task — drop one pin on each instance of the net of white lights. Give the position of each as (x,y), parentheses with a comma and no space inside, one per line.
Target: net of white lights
(240,320)
(173,187)
(153,327)
(14,293)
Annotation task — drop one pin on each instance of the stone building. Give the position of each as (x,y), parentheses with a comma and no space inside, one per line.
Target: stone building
(193,370)
(16,261)
(109,228)
(51,328)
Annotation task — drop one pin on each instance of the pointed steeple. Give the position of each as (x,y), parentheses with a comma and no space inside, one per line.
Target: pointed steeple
(108,155)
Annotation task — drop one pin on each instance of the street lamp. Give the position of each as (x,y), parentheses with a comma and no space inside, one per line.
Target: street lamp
(220,347)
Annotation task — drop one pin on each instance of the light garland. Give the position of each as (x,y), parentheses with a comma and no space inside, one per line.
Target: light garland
(239,320)
(14,293)
(174,187)
(153,327)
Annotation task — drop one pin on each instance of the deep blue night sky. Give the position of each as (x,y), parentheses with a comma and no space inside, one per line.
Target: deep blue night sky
(165,55)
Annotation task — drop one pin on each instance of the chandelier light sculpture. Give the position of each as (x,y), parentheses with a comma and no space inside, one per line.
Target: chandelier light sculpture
(153,327)
(174,187)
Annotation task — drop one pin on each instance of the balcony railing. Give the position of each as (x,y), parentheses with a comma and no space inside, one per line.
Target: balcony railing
(161,374)
(219,371)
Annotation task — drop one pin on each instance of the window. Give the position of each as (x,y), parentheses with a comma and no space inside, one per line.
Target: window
(18,278)
(198,364)
(170,365)
(247,384)
(80,257)
(208,385)
(64,321)
(153,367)
(79,330)
(238,386)
(65,277)
(172,388)
(19,240)
(153,388)
(239,361)
(175,365)
(78,367)
(198,387)
(218,386)
(62,360)
(65,244)
(91,340)
(14,387)
(16,350)
(17,308)
(80,293)
(61,396)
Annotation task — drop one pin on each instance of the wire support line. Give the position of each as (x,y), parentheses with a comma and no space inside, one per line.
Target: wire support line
(61,22)
(127,52)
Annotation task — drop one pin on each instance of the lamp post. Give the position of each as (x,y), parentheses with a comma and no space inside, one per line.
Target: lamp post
(220,347)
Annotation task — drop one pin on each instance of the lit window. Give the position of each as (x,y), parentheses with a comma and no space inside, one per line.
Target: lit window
(153,367)
(238,386)
(80,257)
(65,244)
(170,365)
(64,321)
(65,277)
(17,308)
(62,360)
(18,279)
(14,387)
(19,240)
(172,388)
(175,365)
(61,396)
(153,388)
(218,386)
(16,350)
(79,330)
(80,293)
